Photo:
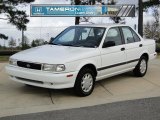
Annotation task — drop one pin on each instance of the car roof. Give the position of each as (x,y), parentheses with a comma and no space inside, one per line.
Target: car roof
(101,25)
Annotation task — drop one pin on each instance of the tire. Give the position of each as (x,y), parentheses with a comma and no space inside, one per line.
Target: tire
(141,68)
(85,82)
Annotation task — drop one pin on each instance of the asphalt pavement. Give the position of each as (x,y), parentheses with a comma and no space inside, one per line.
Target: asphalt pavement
(142,109)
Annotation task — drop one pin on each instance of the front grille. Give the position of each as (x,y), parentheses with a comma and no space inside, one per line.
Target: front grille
(29,65)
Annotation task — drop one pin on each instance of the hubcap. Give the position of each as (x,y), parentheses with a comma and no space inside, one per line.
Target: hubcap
(143,66)
(87,82)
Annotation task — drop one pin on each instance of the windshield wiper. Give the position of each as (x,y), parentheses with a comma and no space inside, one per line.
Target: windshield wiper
(62,44)
(67,45)
(78,46)
(73,45)
(89,46)
(56,44)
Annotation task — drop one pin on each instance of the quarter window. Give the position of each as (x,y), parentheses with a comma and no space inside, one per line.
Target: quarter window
(128,36)
(113,34)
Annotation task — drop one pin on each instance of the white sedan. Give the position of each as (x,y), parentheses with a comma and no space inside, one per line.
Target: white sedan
(81,55)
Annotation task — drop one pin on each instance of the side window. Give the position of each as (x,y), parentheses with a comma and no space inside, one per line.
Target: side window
(113,34)
(136,37)
(128,36)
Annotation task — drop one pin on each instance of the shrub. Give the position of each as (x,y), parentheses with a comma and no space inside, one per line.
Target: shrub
(158,47)
(8,52)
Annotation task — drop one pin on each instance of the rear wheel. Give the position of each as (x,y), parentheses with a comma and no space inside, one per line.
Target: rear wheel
(141,68)
(85,82)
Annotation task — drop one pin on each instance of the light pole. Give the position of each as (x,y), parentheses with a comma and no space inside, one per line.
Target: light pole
(77,2)
(140,18)
(22,39)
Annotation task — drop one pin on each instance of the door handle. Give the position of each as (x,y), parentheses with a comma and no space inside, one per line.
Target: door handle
(140,45)
(122,49)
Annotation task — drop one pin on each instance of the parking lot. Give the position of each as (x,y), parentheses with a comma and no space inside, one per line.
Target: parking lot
(17,98)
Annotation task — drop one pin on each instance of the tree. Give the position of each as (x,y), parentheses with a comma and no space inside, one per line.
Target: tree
(26,40)
(37,42)
(142,6)
(12,43)
(150,3)
(156,15)
(152,29)
(14,16)
(2,36)
(25,43)
(33,44)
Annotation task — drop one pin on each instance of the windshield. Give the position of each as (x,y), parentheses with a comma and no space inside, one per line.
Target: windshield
(79,36)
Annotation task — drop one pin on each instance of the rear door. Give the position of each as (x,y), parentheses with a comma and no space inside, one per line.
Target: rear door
(133,46)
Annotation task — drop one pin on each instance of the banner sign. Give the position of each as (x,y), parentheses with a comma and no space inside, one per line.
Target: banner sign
(82,10)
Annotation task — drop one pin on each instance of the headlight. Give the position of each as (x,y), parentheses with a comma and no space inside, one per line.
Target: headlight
(60,68)
(54,68)
(13,62)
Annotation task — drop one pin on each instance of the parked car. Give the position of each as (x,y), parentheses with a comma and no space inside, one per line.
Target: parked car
(81,55)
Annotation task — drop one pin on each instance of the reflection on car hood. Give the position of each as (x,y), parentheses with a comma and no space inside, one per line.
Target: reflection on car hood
(53,54)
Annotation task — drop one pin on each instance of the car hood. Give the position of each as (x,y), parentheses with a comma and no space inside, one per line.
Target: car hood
(53,54)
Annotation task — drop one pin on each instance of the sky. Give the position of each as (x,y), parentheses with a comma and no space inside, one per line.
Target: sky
(46,27)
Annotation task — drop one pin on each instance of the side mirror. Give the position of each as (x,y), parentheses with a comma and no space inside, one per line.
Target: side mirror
(109,44)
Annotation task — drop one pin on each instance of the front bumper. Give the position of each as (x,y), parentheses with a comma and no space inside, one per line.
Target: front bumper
(41,78)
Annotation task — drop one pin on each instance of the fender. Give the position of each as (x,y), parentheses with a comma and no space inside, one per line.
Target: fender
(85,62)
(144,51)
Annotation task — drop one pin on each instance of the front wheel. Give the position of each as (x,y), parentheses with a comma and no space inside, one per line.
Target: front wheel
(85,82)
(141,68)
